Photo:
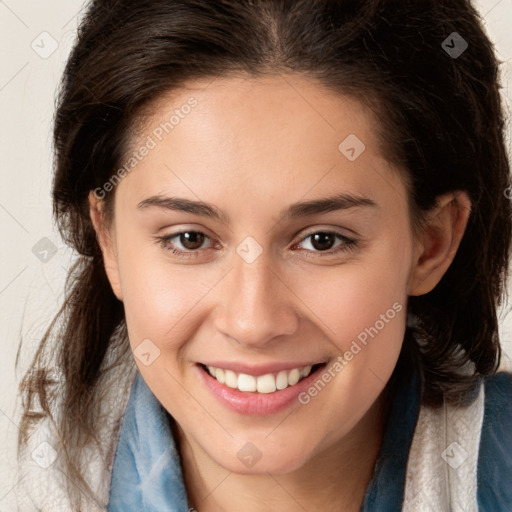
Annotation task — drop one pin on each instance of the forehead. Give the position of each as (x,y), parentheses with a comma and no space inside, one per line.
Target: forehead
(284,132)
(290,104)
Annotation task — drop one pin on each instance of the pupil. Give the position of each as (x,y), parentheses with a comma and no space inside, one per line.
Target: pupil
(322,241)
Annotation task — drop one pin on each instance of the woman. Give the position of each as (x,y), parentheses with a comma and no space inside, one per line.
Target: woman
(294,232)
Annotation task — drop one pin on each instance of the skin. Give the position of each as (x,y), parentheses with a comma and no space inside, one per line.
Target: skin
(252,147)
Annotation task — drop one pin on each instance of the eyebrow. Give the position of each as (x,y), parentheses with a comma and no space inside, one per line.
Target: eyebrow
(296,210)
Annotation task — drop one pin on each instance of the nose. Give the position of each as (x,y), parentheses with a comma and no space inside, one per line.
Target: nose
(256,305)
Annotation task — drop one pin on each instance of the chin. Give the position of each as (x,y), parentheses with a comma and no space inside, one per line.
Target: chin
(261,464)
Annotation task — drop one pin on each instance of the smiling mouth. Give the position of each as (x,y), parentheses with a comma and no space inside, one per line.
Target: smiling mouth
(268,383)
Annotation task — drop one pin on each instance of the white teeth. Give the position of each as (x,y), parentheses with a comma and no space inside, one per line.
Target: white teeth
(282,380)
(219,374)
(246,382)
(231,379)
(268,383)
(293,377)
(306,371)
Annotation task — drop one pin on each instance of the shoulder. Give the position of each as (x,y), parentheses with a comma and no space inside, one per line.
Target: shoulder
(43,481)
(497,421)
(495,451)
(462,456)
(498,388)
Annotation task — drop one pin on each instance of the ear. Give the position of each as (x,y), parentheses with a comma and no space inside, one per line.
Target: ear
(440,239)
(106,240)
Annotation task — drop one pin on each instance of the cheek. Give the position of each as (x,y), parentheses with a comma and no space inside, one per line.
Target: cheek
(159,297)
(349,300)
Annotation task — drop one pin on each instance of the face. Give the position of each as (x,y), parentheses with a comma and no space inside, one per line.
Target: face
(254,284)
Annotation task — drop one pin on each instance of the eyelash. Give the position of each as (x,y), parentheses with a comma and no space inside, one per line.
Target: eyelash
(348,244)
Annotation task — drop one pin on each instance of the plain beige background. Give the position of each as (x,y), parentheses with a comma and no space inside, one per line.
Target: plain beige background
(35,40)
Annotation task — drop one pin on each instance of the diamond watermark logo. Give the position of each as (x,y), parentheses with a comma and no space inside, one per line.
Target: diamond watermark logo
(44,45)
(454,455)
(44,250)
(146,352)
(454,45)
(44,455)
(351,147)
(249,455)
(249,250)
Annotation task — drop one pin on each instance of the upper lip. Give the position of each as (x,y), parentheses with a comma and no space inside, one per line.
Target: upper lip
(257,370)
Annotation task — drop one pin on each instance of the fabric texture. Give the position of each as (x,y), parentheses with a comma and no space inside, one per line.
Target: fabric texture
(441,471)
(147,474)
(495,461)
(445,459)
(385,491)
(43,484)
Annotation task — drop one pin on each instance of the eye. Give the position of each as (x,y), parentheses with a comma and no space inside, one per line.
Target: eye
(323,241)
(190,240)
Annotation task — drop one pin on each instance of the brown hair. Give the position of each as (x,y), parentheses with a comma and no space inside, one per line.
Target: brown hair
(440,121)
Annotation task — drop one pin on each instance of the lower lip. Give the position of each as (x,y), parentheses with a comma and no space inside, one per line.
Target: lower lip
(256,404)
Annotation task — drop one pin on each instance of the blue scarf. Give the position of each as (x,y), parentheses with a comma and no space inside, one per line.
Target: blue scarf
(147,476)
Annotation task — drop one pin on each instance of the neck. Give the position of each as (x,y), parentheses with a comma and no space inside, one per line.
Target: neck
(335,479)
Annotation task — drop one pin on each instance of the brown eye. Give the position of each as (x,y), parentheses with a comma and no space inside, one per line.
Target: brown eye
(184,243)
(192,240)
(324,243)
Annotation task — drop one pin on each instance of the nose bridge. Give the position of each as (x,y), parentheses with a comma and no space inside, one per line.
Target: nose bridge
(256,306)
